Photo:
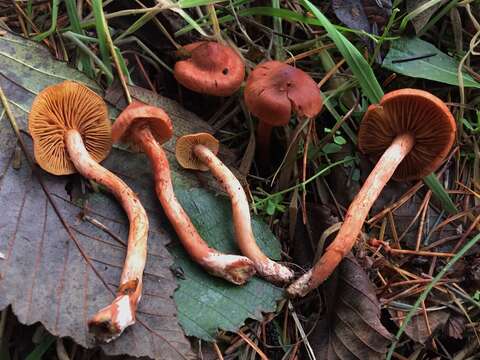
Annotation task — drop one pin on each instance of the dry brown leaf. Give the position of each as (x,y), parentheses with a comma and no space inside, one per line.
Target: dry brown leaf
(351,328)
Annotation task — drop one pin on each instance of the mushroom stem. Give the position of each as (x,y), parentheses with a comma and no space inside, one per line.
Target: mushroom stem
(110,321)
(355,216)
(267,268)
(234,268)
(264,134)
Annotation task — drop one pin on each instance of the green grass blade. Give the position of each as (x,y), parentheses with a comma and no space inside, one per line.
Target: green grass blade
(277,39)
(77,28)
(101,34)
(123,65)
(417,12)
(440,193)
(190,21)
(145,18)
(29,12)
(177,9)
(75,38)
(53,26)
(427,290)
(41,348)
(283,14)
(439,15)
(184,4)
(359,66)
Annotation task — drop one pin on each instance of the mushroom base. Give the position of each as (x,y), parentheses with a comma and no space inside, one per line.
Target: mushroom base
(234,268)
(109,323)
(265,267)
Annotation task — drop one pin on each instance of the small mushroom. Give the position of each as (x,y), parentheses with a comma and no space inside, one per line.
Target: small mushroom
(410,132)
(198,152)
(71,132)
(147,127)
(273,93)
(211,68)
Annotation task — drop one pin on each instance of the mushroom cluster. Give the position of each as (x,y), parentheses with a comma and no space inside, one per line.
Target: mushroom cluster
(147,127)
(410,132)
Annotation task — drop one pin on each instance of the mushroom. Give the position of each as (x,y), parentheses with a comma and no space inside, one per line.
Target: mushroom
(211,68)
(71,132)
(147,127)
(198,152)
(274,91)
(410,132)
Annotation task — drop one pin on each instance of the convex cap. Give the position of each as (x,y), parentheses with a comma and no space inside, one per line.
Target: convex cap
(184,150)
(62,107)
(412,111)
(274,91)
(212,69)
(138,114)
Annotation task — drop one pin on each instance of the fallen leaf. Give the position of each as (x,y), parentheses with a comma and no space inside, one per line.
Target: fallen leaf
(361,14)
(419,59)
(378,11)
(351,328)
(455,326)
(351,13)
(417,329)
(206,303)
(45,278)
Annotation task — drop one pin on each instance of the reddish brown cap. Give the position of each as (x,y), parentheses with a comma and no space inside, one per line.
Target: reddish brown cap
(275,90)
(212,69)
(62,107)
(138,114)
(413,111)
(184,150)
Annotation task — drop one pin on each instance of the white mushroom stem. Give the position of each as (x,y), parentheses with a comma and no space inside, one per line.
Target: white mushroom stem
(110,321)
(355,216)
(267,268)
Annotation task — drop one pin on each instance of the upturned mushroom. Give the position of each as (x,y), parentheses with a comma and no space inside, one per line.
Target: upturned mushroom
(274,92)
(211,68)
(146,128)
(71,132)
(411,132)
(198,152)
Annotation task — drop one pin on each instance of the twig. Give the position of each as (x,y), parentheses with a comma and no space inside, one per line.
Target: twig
(304,337)
(422,219)
(217,351)
(253,345)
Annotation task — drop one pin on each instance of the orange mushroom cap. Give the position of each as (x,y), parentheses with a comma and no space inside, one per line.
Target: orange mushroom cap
(212,69)
(184,150)
(412,111)
(62,107)
(275,90)
(138,114)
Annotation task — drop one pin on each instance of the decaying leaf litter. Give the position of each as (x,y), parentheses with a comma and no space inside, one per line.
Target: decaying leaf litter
(417,248)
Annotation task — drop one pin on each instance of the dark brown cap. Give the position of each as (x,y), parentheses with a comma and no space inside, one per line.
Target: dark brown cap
(275,91)
(62,107)
(184,150)
(212,69)
(138,114)
(412,111)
